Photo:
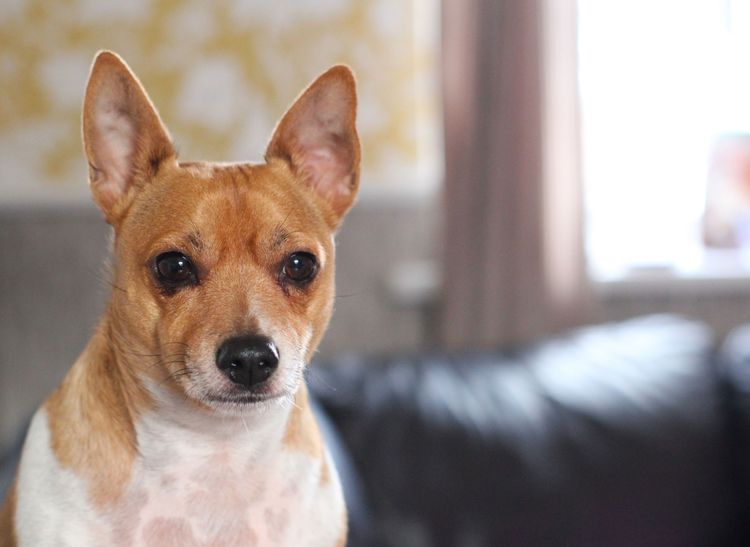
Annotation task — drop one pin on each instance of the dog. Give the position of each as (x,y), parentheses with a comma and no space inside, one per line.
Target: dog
(186,421)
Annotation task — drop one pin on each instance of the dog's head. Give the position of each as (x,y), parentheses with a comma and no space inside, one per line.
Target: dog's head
(223,273)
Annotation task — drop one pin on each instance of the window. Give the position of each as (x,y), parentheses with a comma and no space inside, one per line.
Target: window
(665,99)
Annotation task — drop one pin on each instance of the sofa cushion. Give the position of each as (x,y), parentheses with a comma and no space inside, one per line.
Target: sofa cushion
(612,435)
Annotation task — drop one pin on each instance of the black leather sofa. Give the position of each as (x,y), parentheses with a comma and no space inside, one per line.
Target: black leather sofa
(632,434)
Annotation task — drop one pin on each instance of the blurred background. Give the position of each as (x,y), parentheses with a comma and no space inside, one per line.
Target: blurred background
(539,178)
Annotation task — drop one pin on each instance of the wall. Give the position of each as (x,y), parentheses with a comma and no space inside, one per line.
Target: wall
(221,74)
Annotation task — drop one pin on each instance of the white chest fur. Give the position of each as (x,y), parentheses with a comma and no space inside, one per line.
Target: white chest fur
(189,487)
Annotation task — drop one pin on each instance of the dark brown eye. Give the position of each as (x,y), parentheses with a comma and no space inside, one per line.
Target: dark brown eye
(300,268)
(174,270)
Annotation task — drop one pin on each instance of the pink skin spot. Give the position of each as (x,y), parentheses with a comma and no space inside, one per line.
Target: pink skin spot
(128,518)
(164,532)
(223,501)
(174,532)
(168,481)
(239,535)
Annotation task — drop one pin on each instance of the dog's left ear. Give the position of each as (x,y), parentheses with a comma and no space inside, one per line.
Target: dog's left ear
(318,138)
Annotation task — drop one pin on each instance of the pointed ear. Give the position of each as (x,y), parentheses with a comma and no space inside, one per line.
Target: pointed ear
(318,138)
(124,139)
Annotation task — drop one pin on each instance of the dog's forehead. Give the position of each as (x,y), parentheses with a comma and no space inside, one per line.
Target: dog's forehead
(217,200)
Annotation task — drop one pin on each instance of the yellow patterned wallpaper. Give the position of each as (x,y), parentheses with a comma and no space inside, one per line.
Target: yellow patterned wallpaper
(221,73)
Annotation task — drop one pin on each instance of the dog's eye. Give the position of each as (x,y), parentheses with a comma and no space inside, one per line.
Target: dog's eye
(300,267)
(174,270)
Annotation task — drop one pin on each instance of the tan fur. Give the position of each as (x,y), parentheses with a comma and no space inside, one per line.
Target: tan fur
(302,433)
(7,526)
(221,215)
(238,223)
(98,445)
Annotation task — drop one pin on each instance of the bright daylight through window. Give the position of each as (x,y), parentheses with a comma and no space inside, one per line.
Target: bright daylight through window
(665,97)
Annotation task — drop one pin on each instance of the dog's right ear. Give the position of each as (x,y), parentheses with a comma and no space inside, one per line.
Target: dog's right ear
(124,138)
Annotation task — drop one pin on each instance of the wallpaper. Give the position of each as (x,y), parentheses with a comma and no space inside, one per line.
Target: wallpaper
(220,73)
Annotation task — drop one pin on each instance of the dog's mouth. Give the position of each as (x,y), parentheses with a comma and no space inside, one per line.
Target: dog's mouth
(243,398)
(237,397)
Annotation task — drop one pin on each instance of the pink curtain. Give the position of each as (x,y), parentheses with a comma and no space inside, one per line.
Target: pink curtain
(513,262)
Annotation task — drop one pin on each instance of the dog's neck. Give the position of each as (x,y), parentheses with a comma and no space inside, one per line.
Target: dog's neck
(255,430)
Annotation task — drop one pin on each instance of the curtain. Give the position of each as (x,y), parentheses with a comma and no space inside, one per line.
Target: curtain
(513,259)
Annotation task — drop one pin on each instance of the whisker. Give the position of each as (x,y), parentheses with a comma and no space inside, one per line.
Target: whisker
(186,371)
(106,278)
(291,400)
(169,360)
(349,295)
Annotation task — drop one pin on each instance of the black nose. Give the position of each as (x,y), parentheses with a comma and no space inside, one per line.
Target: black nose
(247,360)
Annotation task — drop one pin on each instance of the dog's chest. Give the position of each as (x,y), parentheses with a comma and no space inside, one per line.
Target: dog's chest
(244,489)
(183,492)
(216,497)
